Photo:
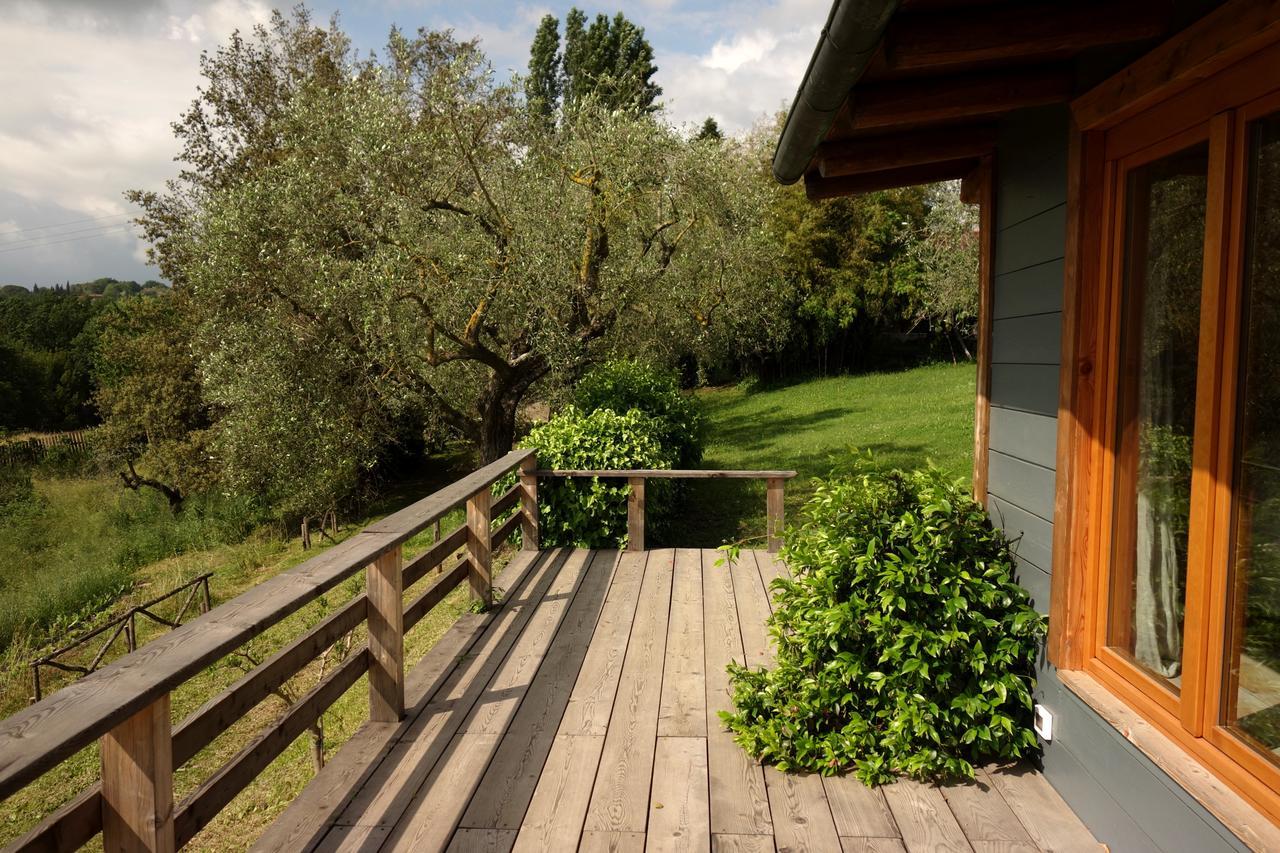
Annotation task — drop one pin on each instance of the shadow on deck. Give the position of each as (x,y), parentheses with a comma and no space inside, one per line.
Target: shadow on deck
(582,714)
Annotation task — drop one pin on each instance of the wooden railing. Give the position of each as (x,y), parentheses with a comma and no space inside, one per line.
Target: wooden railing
(126,704)
(636,477)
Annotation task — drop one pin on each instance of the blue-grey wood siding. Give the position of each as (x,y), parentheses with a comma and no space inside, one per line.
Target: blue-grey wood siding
(1128,802)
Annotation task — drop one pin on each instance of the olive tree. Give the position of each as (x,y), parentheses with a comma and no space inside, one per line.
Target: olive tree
(403,242)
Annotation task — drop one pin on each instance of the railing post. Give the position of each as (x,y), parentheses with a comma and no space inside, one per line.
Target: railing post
(529,504)
(774,510)
(635,514)
(479,546)
(137,782)
(384,588)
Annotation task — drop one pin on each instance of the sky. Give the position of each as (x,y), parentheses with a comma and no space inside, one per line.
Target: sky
(90,88)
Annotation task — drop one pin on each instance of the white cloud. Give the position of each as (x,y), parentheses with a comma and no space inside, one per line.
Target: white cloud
(749,71)
(91,90)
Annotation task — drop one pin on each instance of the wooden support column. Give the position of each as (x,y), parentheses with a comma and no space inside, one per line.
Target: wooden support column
(635,514)
(384,584)
(137,782)
(979,189)
(479,547)
(529,504)
(776,493)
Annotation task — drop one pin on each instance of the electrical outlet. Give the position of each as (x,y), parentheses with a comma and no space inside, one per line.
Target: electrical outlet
(1043,723)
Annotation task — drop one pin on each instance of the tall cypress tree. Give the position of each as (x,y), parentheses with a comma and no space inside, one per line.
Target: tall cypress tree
(610,59)
(542,86)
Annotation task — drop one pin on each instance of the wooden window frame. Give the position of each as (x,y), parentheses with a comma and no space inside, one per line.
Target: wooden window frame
(1210,82)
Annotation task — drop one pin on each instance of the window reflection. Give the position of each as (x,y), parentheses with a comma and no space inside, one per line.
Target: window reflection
(1159,338)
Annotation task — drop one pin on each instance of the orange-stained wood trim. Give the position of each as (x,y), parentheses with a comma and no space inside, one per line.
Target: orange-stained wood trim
(1067,597)
(901,150)
(1205,473)
(1219,39)
(958,97)
(818,188)
(1243,817)
(938,39)
(982,182)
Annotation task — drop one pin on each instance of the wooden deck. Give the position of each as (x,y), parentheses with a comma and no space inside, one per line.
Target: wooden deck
(581,714)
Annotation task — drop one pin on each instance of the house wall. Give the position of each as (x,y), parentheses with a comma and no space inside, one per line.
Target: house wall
(1128,802)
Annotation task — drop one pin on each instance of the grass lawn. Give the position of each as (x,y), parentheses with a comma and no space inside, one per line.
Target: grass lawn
(905,419)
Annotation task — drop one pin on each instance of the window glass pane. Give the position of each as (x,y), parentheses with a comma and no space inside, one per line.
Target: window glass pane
(1253,688)
(1159,337)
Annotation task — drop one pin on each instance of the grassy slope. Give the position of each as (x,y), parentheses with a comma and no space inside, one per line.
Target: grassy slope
(236,568)
(904,418)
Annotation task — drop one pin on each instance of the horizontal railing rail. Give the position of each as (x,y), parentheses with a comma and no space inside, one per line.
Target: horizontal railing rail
(126,704)
(774,492)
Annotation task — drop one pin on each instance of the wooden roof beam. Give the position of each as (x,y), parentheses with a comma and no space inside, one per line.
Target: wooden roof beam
(922,102)
(901,150)
(1017,31)
(817,187)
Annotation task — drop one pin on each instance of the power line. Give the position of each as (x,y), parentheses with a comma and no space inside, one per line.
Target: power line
(33,240)
(118,229)
(72,222)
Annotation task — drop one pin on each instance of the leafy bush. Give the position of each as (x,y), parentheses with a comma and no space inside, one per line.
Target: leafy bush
(904,646)
(627,384)
(592,513)
(17,494)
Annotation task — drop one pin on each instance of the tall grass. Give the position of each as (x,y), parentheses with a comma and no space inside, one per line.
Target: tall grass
(71,549)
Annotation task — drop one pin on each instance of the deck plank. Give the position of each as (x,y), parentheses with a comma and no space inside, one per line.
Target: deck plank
(591,702)
(801,815)
(551,724)
(482,841)
(679,808)
(619,801)
(871,845)
(441,804)
(429,821)
(601,841)
(390,790)
(802,818)
(859,811)
(683,711)
(924,818)
(512,776)
(739,804)
(983,814)
(554,818)
(1044,814)
(728,842)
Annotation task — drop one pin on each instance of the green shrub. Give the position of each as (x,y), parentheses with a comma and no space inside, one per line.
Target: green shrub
(592,513)
(627,384)
(904,646)
(18,497)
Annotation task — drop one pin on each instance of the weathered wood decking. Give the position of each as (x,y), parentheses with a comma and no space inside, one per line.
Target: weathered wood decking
(582,715)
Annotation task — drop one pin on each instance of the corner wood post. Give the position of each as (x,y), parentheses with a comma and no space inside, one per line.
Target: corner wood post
(384,588)
(776,486)
(137,782)
(479,546)
(635,514)
(529,504)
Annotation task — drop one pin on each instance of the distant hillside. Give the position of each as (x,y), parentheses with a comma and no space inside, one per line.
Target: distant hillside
(47,341)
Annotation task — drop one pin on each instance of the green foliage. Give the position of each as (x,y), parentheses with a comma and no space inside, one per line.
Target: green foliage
(592,513)
(610,60)
(904,645)
(17,494)
(709,130)
(624,384)
(77,544)
(156,425)
(543,85)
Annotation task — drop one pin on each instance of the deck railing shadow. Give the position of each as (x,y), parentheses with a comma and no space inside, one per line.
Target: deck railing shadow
(125,706)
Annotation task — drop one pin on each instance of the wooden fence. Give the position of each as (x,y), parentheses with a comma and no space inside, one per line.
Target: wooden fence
(28,451)
(126,704)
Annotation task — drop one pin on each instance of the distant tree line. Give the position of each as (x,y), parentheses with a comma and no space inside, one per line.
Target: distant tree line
(47,347)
